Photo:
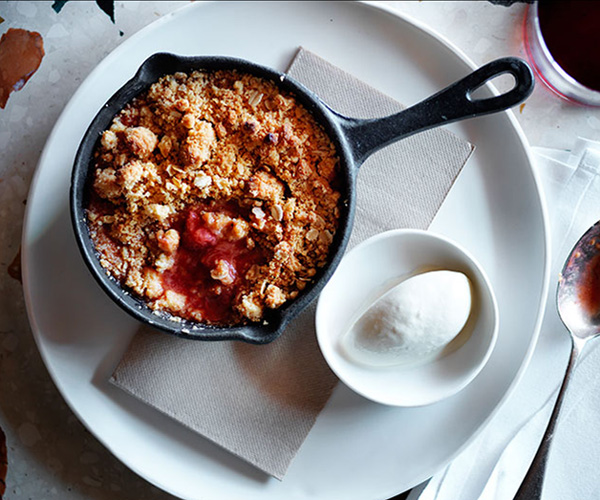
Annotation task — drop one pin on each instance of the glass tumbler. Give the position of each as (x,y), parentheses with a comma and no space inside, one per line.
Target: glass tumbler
(562,39)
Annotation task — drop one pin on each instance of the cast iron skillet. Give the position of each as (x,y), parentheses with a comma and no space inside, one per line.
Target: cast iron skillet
(355,140)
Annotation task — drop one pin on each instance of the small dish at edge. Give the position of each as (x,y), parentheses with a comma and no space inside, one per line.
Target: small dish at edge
(371,269)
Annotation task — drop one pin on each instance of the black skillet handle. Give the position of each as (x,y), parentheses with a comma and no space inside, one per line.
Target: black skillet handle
(449,105)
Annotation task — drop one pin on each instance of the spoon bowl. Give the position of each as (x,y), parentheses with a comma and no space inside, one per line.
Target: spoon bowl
(578,303)
(578,296)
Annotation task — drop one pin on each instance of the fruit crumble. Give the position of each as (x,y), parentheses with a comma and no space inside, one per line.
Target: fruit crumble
(214,197)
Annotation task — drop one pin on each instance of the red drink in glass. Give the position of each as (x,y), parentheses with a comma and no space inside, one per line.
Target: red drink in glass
(562,38)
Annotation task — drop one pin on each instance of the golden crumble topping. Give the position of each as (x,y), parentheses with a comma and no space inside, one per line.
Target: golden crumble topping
(213,197)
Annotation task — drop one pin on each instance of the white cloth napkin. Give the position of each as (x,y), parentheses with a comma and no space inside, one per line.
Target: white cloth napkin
(494,465)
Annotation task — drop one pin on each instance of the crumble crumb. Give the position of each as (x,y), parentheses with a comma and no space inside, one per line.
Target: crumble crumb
(140,140)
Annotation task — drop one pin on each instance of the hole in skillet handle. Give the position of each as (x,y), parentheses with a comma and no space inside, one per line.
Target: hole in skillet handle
(502,82)
(149,72)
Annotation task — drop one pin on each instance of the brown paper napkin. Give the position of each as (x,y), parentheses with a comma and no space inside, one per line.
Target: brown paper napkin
(260,402)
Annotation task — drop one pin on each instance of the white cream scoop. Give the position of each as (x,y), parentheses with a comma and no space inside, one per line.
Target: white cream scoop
(411,322)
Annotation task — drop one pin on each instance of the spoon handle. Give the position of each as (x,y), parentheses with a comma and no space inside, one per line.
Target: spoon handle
(531,487)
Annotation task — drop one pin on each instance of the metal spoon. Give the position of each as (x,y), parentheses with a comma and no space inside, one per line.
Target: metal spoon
(578,301)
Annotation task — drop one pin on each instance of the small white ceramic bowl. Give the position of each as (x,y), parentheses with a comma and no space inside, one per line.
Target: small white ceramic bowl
(368,271)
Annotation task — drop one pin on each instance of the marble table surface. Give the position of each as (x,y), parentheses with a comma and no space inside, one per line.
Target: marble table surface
(51,455)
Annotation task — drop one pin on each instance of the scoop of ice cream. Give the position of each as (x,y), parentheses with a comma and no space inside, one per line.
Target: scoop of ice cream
(412,321)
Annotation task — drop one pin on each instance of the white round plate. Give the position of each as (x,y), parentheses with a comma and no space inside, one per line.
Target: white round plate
(357,449)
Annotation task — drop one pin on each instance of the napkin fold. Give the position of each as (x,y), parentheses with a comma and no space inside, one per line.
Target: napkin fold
(494,465)
(260,402)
